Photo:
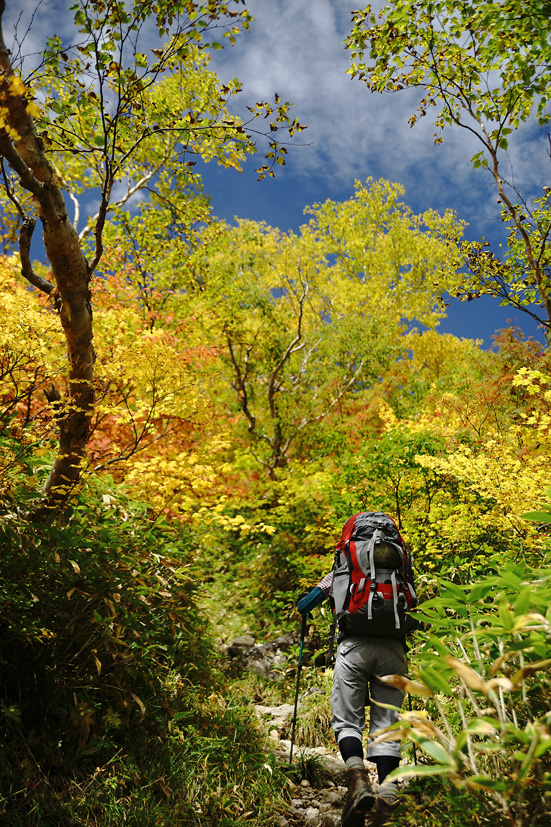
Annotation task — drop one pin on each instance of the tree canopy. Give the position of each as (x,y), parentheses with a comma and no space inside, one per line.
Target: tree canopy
(113,108)
(227,395)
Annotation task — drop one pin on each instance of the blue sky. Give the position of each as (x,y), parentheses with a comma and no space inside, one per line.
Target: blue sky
(295,48)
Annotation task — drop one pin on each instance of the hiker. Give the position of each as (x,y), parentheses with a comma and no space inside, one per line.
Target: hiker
(371,588)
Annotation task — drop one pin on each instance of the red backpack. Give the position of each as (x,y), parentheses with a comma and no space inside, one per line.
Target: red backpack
(372,585)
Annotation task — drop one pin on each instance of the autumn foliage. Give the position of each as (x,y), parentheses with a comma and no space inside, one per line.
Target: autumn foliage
(200,405)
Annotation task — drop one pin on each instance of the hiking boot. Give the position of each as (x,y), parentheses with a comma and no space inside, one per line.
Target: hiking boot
(359,798)
(385,804)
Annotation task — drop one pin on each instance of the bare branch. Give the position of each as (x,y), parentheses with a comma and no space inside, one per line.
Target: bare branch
(344,390)
(241,382)
(141,184)
(101,216)
(293,347)
(25,236)
(76,205)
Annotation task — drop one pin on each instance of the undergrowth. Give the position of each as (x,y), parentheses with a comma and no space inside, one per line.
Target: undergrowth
(113,709)
(434,801)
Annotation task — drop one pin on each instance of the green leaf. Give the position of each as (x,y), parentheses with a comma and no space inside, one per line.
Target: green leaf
(484,782)
(448,589)
(522,603)
(537,516)
(437,751)
(414,770)
(435,681)
(506,616)
(479,591)
(543,747)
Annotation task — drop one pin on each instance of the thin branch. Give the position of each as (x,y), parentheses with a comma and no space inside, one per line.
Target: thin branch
(26,175)
(25,236)
(133,448)
(472,758)
(336,400)
(293,347)
(308,421)
(101,216)
(241,381)
(141,184)
(10,191)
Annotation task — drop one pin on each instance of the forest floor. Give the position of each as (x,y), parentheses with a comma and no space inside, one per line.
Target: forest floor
(317,802)
(316,789)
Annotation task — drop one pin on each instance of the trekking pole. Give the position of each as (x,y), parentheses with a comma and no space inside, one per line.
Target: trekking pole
(414,750)
(299,668)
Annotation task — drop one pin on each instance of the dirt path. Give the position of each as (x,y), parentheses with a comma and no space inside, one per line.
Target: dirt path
(318,803)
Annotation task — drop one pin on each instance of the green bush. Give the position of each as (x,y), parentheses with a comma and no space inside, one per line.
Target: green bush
(483,670)
(111,702)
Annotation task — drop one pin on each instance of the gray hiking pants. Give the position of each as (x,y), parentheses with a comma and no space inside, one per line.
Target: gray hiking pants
(358,663)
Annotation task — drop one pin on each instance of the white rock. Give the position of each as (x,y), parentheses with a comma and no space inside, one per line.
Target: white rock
(280,715)
(244,641)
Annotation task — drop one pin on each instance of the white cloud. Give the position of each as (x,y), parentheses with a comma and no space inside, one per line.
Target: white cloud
(296,48)
(28,23)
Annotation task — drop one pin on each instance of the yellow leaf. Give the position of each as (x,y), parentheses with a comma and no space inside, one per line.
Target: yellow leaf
(504,683)
(468,675)
(400,682)
(529,669)
(498,664)
(419,723)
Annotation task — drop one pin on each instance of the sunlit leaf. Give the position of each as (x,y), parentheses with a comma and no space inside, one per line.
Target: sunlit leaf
(406,685)
(437,752)
(466,673)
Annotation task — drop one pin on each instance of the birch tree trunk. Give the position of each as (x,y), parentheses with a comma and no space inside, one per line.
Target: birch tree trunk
(22,150)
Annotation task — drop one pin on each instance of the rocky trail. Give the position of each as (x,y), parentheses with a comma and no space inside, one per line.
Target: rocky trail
(313,803)
(316,803)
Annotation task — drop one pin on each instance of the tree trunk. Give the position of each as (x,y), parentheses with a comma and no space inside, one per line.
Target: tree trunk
(20,146)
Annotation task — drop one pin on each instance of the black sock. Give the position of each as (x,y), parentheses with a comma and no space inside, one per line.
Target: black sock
(351,747)
(385,764)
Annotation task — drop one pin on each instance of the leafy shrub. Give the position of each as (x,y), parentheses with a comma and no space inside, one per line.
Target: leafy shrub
(110,704)
(484,671)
